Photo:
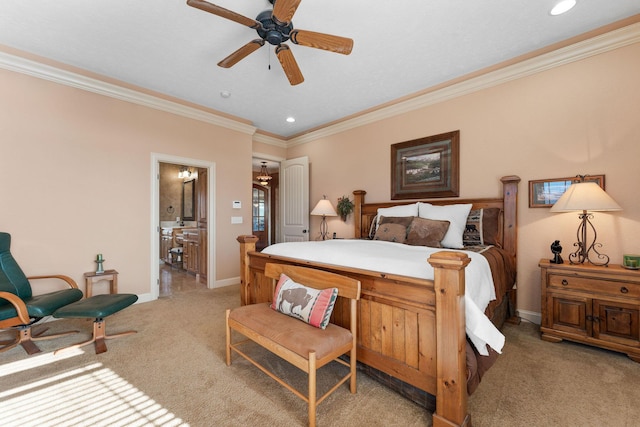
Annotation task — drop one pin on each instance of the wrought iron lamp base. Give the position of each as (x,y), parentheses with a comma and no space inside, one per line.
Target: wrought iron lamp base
(581,255)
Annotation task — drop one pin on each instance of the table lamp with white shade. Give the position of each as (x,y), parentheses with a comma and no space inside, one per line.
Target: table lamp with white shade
(586,196)
(324,208)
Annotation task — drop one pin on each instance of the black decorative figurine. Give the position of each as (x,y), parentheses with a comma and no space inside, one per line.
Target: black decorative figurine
(556,249)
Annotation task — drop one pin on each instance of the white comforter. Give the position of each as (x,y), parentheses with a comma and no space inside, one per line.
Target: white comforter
(405,260)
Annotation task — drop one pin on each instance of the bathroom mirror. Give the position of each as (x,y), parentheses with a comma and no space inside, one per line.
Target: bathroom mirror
(188,206)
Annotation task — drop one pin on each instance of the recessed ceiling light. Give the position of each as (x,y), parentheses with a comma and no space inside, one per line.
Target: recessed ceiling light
(562,7)
(291,119)
(225,94)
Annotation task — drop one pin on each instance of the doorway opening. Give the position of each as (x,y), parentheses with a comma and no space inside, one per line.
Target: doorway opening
(183,249)
(265,202)
(261,217)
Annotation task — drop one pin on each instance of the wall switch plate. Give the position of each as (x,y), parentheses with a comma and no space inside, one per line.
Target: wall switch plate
(237,204)
(236,220)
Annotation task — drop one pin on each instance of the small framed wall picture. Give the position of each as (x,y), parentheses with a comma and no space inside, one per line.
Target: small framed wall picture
(544,193)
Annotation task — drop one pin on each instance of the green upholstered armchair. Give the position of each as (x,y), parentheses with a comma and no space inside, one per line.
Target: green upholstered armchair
(20,308)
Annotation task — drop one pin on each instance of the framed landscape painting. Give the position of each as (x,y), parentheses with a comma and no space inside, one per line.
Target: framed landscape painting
(544,193)
(426,167)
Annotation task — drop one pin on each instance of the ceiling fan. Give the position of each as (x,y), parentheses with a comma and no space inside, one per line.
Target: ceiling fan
(275,27)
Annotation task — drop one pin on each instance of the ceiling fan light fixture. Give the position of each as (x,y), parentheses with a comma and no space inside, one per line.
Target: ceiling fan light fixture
(562,7)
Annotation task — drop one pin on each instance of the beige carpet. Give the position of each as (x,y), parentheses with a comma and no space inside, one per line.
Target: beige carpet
(172,373)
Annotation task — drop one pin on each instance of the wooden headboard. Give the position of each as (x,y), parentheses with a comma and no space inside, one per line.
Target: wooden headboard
(364,213)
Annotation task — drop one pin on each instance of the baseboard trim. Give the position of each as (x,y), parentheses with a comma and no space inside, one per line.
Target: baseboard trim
(148,297)
(530,316)
(226,282)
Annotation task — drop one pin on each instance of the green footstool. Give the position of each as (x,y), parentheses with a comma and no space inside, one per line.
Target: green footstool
(97,307)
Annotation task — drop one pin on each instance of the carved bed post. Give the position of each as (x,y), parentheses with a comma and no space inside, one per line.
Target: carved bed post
(451,396)
(247,244)
(358,201)
(510,240)
(510,194)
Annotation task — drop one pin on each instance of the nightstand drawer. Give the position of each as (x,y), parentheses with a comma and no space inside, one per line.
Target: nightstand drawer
(581,283)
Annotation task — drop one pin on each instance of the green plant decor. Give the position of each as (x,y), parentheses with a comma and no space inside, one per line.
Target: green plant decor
(344,207)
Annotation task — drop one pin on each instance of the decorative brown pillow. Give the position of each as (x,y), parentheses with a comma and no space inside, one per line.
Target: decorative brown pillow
(426,232)
(402,220)
(482,228)
(392,228)
(390,232)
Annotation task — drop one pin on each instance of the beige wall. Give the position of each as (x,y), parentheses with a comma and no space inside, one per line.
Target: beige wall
(578,118)
(270,151)
(75,174)
(75,167)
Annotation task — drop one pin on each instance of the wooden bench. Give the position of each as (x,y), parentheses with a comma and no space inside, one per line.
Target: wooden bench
(304,346)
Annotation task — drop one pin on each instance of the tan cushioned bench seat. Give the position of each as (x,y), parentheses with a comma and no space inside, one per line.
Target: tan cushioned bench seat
(289,332)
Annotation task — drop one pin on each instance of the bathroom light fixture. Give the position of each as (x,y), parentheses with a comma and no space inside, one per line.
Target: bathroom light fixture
(562,7)
(586,196)
(264,176)
(184,172)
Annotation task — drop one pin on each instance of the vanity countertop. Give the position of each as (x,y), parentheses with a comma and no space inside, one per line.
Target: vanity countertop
(173,224)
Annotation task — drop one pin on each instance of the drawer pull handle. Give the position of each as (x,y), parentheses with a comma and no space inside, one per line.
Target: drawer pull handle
(565,282)
(624,290)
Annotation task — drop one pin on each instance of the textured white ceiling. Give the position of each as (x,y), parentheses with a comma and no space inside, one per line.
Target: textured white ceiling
(400,47)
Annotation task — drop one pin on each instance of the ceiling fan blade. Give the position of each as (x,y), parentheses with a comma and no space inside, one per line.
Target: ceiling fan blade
(224,13)
(241,53)
(328,42)
(283,10)
(289,64)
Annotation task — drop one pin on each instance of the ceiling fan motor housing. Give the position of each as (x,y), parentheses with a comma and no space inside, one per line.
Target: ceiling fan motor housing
(271,31)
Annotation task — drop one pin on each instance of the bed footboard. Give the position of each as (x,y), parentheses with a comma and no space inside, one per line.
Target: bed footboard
(410,329)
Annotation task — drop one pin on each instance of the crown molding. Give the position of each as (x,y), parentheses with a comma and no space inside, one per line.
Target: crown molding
(265,139)
(67,78)
(594,46)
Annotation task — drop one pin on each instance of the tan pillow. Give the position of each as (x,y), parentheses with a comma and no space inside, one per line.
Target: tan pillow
(426,232)
(394,233)
(402,220)
(390,232)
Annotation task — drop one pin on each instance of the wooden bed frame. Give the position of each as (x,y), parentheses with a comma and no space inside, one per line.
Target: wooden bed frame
(411,329)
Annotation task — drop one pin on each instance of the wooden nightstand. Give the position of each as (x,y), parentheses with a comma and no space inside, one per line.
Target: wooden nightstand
(590,304)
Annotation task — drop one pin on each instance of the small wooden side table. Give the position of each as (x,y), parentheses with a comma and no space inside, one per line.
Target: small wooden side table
(92,276)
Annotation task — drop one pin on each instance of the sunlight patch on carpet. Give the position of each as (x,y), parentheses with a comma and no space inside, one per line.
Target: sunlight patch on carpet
(87,396)
(36,361)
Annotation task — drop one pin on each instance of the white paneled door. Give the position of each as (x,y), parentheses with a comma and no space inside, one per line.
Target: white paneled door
(294,187)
